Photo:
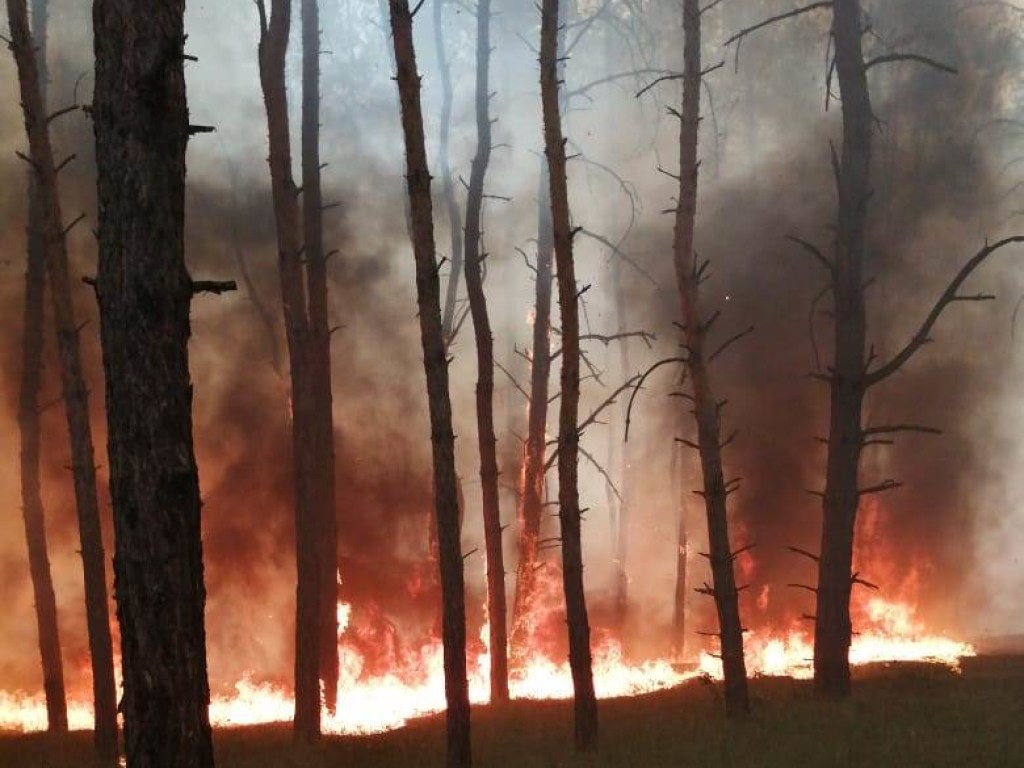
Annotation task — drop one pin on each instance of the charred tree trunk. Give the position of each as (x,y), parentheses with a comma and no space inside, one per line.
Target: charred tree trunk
(145,293)
(273,47)
(832,627)
(531,503)
(323,491)
(621,550)
(435,363)
(496,611)
(447,183)
(580,662)
(76,398)
(705,407)
(682,557)
(23,43)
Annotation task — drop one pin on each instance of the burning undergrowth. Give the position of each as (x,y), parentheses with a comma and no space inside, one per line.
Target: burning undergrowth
(936,191)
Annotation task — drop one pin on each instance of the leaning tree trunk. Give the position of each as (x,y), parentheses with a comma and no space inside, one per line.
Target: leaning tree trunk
(706,409)
(531,501)
(435,363)
(323,481)
(23,43)
(496,611)
(580,662)
(145,293)
(832,627)
(273,48)
(76,398)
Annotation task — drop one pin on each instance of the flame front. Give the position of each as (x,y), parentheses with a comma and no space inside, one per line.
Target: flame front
(414,687)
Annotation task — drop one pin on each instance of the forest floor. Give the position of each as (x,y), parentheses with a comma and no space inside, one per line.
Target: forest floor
(900,716)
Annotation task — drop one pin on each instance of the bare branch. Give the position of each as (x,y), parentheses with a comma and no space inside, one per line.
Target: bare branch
(814,251)
(948,296)
(803,586)
(896,57)
(729,342)
(805,553)
(775,19)
(584,89)
(512,378)
(213,286)
(640,382)
(601,470)
(618,252)
(893,429)
(885,485)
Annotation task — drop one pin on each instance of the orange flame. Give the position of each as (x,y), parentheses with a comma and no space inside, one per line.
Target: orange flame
(375,703)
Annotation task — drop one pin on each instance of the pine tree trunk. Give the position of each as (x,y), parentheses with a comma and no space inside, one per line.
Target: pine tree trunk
(76,399)
(832,627)
(435,363)
(23,43)
(272,51)
(496,610)
(621,549)
(580,662)
(319,355)
(531,502)
(144,293)
(682,556)
(705,407)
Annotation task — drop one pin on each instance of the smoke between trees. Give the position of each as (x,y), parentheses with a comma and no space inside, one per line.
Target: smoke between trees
(766,174)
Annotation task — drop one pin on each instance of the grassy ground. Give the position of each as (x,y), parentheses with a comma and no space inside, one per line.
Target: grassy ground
(910,716)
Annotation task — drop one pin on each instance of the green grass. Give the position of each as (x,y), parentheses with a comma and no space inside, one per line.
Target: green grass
(901,717)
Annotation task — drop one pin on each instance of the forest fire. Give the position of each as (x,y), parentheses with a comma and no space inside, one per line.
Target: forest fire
(703,462)
(372,703)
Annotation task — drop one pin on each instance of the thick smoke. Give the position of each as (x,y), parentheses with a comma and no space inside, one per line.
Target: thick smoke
(765,174)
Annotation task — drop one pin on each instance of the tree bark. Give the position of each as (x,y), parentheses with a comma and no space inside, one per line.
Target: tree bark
(273,48)
(832,627)
(531,502)
(682,557)
(435,363)
(144,292)
(496,609)
(23,42)
(705,406)
(76,398)
(621,549)
(323,496)
(580,661)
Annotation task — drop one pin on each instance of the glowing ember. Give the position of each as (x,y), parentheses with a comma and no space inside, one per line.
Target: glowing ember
(415,687)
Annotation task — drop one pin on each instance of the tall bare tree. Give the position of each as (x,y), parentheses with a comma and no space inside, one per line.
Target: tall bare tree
(435,363)
(531,498)
(682,554)
(319,341)
(273,47)
(474,259)
(23,42)
(52,235)
(580,661)
(145,294)
(854,370)
(706,409)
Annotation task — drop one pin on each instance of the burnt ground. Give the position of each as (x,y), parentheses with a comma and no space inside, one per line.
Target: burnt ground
(901,715)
